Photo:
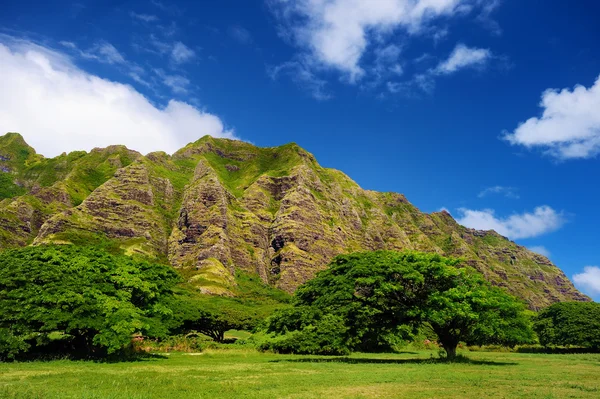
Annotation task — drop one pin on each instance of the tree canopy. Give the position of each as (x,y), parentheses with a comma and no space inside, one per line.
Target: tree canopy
(383,292)
(569,324)
(89,300)
(212,316)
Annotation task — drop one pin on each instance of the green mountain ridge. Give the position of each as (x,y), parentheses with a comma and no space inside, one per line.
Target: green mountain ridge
(218,206)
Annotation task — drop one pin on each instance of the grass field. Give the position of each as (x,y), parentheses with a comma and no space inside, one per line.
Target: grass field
(244,373)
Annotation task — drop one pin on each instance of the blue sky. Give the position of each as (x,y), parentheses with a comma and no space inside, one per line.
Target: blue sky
(490,109)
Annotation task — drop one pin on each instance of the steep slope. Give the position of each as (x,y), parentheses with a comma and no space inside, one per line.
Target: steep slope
(218,206)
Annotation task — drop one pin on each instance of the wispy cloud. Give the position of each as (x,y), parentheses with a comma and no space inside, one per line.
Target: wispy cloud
(569,126)
(167,7)
(143,17)
(240,34)
(67,44)
(59,107)
(181,53)
(485,16)
(178,52)
(463,57)
(304,76)
(588,280)
(542,220)
(177,83)
(104,52)
(508,192)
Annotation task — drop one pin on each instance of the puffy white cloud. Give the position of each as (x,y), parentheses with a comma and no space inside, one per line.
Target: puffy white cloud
(589,280)
(569,126)
(59,107)
(508,192)
(336,33)
(538,249)
(463,57)
(542,220)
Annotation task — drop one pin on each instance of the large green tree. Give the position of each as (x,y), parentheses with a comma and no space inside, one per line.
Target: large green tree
(92,300)
(211,316)
(569,324)
(382,292)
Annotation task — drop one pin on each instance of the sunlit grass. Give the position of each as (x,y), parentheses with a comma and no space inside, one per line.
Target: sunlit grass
(244,373)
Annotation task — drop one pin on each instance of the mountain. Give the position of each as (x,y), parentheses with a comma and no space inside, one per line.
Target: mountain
(217,206)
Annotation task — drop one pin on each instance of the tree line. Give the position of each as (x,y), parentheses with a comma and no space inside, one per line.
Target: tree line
(85,302)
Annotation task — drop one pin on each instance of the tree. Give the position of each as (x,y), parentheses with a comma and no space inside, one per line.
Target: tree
(211,316)
(569,323)
(93,301)
(385,292)
(305,330)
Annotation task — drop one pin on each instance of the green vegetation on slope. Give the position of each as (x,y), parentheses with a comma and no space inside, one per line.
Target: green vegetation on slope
(240,164)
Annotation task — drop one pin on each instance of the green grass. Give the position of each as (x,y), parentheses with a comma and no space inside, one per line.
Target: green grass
(244,373)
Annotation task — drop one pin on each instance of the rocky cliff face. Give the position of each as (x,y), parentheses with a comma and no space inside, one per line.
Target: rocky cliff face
(217,206)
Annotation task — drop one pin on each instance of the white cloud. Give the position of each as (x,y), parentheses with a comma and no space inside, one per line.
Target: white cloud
(144,17)
(336,33)
(59,107)
(161,47)
(569,126)
(463,57)
(179,84)
(543,220)
(508,192)
(104,52)
(177,51)
(538,249)
(589,280)
(181,53)
(67,44)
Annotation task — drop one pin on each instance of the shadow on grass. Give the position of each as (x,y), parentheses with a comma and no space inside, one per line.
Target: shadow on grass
(557,350)
(137,357)
(354,360)
(119,358)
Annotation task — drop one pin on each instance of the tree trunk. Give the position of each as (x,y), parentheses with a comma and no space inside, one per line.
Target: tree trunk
(450,351)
